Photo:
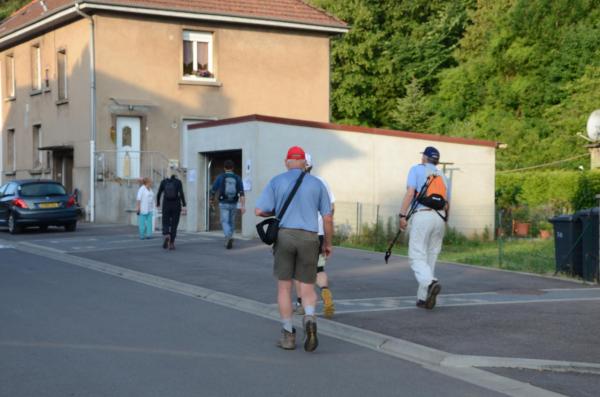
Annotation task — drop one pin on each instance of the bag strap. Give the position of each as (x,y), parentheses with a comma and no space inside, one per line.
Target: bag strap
(421,194)
(291,196)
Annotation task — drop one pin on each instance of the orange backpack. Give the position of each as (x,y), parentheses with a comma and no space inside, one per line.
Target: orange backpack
(433,194)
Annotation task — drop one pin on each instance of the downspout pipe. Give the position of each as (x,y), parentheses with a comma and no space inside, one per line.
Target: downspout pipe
(92,200)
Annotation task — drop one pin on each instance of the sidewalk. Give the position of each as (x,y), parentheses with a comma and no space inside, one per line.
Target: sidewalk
(504,319)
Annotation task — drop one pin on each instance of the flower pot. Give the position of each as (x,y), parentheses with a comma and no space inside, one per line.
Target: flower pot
(545,234)
(521,229)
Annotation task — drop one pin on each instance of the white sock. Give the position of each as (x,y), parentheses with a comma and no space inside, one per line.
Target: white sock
(309,310)
(287,324)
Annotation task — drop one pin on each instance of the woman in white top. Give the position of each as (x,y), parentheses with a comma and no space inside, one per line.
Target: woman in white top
(144,207)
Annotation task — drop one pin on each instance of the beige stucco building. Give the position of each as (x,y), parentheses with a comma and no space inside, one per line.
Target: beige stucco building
(107,88)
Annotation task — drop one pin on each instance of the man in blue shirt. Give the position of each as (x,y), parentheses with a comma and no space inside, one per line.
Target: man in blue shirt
(427,228)
(296,251)
(229,190)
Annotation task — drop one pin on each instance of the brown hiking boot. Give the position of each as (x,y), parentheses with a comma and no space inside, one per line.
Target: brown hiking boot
(310,333)
(287,340)
(432,292)
(328,306)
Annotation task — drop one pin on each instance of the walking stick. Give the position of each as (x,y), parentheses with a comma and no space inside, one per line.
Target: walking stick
(411,210)
(388,253)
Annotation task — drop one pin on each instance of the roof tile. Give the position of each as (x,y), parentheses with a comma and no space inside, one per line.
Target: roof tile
(281,10)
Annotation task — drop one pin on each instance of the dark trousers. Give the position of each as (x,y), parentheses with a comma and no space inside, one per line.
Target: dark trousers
(170,219)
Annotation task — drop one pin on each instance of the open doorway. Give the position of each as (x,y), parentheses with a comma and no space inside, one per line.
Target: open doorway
(215,161)
(62,167)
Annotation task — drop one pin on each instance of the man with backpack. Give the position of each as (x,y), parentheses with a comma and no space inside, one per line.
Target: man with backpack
(426,203)
(230,190)
(173,204)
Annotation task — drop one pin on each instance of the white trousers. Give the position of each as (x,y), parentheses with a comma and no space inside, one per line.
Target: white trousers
(424,245)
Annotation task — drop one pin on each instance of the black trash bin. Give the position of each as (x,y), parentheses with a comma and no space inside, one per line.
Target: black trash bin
(567,244)
(590,243)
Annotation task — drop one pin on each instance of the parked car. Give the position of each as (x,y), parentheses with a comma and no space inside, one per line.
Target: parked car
(36,202)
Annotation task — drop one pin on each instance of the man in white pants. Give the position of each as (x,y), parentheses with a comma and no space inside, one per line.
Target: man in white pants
(426,231)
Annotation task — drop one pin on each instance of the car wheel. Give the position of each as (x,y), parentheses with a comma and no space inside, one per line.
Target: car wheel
(43,228)
(70,227)
(13,228)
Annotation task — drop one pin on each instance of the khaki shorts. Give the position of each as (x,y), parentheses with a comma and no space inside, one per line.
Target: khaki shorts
(296,254)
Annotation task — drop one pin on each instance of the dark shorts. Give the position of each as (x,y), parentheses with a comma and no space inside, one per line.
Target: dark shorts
(296,255)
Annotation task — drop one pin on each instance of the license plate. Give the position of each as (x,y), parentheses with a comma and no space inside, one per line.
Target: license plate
(49,205)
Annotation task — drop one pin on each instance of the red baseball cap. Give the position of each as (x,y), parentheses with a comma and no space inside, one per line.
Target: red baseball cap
(296,153)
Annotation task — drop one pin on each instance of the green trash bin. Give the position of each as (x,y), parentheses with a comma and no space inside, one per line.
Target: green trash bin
(590,243)
(567,244)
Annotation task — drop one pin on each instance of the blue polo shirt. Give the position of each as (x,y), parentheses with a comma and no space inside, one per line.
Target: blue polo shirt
(417,176)
(310,199)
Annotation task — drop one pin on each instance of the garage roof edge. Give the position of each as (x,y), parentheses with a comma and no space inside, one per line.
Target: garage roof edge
(341,127)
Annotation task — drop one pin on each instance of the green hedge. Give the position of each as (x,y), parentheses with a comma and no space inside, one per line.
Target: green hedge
(554,188)
(587,188)
(562,191)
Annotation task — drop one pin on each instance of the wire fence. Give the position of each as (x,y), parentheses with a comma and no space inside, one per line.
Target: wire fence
(518,239)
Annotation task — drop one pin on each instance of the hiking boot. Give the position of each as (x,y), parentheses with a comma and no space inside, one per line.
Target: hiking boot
(229,243)
(298,309)
(310,333)
(328,306)
(166,242)
(287,340)
(421,304)
(432,292)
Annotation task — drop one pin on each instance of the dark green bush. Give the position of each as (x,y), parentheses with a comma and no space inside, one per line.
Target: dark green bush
(588,186)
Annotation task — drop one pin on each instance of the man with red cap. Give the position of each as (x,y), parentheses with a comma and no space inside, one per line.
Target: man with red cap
(296,251)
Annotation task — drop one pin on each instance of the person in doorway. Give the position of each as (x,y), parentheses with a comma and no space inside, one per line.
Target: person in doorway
(144,206)
(427,228)
(230,190)
(322,278)
(172,207)
(296,251)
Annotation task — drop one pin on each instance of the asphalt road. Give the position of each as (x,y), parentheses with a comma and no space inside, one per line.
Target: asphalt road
(81,332)
(68,331)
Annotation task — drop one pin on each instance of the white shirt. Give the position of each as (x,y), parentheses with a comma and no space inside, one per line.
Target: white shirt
(146,198)
(331,200)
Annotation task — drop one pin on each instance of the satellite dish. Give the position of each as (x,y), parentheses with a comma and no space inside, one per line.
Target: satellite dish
(593,126)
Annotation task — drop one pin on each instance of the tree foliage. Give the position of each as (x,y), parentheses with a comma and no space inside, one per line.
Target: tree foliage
(7,7)
(522,72)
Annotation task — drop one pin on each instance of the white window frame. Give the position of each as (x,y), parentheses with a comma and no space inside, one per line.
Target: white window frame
(36,68)
(195,37)
(63,52)
(11,86)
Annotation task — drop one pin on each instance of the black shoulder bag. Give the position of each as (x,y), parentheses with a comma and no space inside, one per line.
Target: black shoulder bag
(269,236)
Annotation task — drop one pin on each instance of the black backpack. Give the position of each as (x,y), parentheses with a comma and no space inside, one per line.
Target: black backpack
(229,189)
(170,190)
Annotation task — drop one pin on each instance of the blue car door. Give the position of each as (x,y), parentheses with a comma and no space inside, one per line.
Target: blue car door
(4,203)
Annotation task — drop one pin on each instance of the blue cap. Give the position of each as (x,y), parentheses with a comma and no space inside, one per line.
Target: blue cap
(431,152)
